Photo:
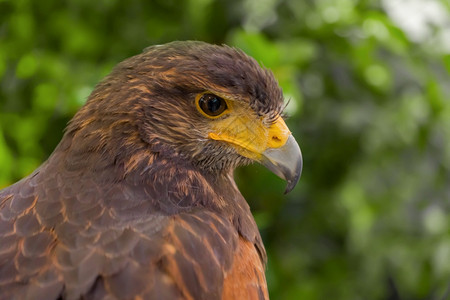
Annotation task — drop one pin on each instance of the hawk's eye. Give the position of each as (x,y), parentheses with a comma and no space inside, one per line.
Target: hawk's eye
(212,105)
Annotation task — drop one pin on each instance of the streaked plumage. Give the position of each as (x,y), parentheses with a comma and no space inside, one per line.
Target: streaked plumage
(138,200)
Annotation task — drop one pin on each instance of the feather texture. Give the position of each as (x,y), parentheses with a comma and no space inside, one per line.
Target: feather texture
(131,205)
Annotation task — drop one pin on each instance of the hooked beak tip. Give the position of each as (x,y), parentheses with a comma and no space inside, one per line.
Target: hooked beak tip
(286,162)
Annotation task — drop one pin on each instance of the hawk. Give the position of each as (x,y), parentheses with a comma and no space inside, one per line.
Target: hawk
(138,200)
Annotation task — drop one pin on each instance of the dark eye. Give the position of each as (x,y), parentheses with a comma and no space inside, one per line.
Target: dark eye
(212,105)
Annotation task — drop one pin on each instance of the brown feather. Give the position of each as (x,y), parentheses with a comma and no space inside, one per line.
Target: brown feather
(134,203)
(246,278)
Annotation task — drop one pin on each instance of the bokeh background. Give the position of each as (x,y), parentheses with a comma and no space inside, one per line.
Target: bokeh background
(369,90)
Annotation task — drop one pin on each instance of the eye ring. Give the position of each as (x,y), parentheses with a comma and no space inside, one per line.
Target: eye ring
(210,105)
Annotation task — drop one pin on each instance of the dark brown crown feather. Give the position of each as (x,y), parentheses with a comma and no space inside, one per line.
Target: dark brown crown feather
(135,202)
(154,93)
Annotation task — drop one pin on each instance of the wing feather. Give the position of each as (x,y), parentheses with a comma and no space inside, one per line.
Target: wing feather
(116,242)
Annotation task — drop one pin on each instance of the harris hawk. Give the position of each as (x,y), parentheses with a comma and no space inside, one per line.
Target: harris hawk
(138,200)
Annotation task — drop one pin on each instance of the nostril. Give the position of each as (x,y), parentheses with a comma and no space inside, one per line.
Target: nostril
(276,141)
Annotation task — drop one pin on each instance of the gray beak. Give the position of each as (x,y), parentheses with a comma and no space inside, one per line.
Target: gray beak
(286,162)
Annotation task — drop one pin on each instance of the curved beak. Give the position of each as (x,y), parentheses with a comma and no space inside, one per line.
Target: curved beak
(285,161)
(273,146)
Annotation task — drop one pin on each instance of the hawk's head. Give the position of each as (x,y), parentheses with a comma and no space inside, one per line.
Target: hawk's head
(211,106)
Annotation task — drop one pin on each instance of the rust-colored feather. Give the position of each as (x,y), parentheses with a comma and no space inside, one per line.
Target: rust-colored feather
(246,278)
(133,204)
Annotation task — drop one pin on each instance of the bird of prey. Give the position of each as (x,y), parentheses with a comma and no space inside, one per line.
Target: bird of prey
(138,200)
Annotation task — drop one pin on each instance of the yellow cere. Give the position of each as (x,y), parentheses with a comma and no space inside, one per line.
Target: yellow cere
(248,133)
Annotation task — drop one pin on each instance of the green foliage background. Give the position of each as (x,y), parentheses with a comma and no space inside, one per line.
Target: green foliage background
(369,107)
